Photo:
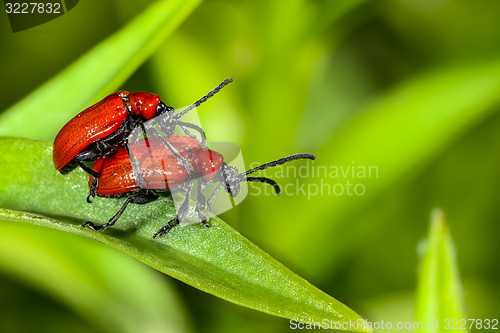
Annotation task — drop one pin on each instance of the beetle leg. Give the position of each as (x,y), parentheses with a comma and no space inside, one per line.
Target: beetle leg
(93,190)
(137,199)
(141,183)
(180,158)
(163,230)
(88,170)
(205,221)
(201,204)
(181,214)
(184,208)
(188,133)
(183,124)
(139,180)
(93,187)
(105,147)
(145,134)
(213,196)
(201,201)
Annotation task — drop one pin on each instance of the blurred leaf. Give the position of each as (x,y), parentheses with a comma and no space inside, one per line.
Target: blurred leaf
(397,136)
(95,74)
(292,42)
(113,292)
(439,292)
(269,51)
(217,260)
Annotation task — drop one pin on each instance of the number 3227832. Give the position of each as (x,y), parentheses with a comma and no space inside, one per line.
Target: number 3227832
(33,8)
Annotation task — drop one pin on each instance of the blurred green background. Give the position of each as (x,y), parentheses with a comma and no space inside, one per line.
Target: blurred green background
(411,87)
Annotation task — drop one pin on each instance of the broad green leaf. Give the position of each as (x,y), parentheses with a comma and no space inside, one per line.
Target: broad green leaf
(439,292)
(95,74)
(217,260)
(113,292)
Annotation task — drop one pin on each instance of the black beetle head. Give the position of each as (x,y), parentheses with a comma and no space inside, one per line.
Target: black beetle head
(162,109)
(165,117)
(231,179)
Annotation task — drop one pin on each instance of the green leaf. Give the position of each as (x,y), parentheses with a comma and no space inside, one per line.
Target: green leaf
(113,292)
(217,260)
(396,136)
(439,292)
(95,74)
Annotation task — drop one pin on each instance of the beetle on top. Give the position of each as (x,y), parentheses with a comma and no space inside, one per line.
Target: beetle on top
(102,128)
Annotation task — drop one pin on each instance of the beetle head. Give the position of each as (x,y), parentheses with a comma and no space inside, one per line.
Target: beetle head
(165,115)
(231,179)
(162,109)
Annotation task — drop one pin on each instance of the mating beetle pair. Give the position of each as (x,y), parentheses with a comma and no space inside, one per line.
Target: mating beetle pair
(104,127)
(167,162)
(162,173)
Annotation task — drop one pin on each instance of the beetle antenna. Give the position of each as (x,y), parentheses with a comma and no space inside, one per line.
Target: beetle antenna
(271,182)
(231,178)
(205,98)
(278,162)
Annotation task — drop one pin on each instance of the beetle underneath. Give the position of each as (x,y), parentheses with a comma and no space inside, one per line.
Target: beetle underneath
(161,173)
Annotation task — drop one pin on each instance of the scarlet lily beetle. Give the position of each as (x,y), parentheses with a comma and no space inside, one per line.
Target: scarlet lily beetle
(102,128)
(117,177)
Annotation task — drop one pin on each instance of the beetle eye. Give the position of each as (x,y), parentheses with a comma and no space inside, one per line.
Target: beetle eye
(162,108)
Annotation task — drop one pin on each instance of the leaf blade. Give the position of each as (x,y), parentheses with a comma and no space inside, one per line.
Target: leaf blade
(439,290)
(217,260)
(96,74)
(101,285)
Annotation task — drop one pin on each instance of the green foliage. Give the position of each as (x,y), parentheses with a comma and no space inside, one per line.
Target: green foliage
(99,71)
(110,291)
(409,87)
(217,260)
(413,123)
(439,295)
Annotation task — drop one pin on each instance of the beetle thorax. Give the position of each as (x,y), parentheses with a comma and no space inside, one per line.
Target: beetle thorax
(144,104)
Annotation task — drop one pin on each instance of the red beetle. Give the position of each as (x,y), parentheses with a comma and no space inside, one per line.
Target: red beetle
(161,172)
(102,128)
